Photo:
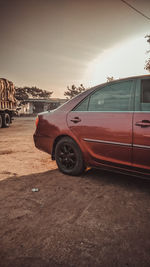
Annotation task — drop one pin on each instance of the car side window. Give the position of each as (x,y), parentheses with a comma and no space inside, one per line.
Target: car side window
(115,97)
(145,95)
(83,106)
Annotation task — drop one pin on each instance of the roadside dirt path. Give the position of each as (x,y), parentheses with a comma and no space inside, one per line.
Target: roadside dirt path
(17,151)
(97,219)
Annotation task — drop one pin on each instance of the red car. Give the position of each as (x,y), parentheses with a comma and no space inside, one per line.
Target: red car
(107,126)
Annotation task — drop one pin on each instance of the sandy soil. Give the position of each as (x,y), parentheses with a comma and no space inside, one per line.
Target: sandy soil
(97,219)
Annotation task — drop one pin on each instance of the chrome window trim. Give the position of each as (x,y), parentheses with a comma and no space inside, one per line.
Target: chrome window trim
(144,111)
(131,111)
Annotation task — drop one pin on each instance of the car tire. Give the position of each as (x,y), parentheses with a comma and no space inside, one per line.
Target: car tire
(1,121)
(69,157)
(6,120)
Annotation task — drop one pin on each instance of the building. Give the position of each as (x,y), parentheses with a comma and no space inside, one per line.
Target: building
(33,106)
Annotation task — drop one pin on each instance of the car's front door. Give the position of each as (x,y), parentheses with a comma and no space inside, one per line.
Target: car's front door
(103,123)
(141,126)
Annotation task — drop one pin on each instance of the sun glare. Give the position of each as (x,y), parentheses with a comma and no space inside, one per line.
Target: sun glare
(123,60)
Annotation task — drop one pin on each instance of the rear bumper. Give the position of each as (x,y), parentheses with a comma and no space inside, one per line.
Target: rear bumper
(43,143)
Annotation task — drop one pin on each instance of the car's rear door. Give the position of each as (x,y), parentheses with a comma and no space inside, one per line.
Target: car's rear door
(103,123)
(141,125)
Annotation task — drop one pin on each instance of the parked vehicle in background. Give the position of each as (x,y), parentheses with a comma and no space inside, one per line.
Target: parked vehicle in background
(107,126)
(7,102)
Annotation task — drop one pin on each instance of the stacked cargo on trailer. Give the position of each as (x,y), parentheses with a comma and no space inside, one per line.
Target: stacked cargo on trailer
(7,102)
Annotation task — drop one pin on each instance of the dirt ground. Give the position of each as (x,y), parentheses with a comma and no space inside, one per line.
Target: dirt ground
(97,219)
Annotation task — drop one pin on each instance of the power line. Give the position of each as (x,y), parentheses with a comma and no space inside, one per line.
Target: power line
(135,9)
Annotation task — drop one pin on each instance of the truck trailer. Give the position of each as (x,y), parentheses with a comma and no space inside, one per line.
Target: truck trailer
(7,102)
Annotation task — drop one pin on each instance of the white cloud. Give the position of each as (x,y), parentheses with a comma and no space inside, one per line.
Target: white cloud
(123,60)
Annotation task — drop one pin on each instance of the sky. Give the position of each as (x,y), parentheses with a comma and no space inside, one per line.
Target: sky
(53,44)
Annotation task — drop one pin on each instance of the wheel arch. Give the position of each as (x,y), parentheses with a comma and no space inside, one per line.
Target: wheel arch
(57,140)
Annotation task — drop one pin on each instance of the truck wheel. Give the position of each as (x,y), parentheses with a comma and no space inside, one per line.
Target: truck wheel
(6,120)
(1,121)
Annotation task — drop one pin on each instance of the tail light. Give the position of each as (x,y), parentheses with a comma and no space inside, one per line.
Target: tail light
(37,121)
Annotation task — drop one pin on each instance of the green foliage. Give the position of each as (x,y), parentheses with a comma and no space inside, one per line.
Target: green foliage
(110,79)
(147,65)
(74,91)
(24,93)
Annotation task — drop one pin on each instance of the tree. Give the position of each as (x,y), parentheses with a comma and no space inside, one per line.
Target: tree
(110,79)
(73,91)
(24,93)
(147,65)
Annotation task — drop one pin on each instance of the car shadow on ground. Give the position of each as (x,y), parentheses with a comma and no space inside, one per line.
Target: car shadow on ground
(102,177)
(126,181)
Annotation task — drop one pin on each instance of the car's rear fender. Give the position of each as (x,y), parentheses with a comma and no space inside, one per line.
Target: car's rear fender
(85,156)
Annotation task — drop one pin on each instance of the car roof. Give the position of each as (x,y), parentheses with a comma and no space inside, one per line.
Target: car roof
(122,79)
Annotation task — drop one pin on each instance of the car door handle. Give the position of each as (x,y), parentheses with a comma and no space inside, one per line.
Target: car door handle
(76,119)
(143,123)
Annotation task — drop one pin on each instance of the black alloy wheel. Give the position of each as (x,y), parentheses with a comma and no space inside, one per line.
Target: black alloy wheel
(6,120)
(69,156)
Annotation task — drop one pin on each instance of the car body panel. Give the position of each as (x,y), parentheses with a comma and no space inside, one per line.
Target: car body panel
(102,136)
(141,129)
(141,141)
(51,126)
